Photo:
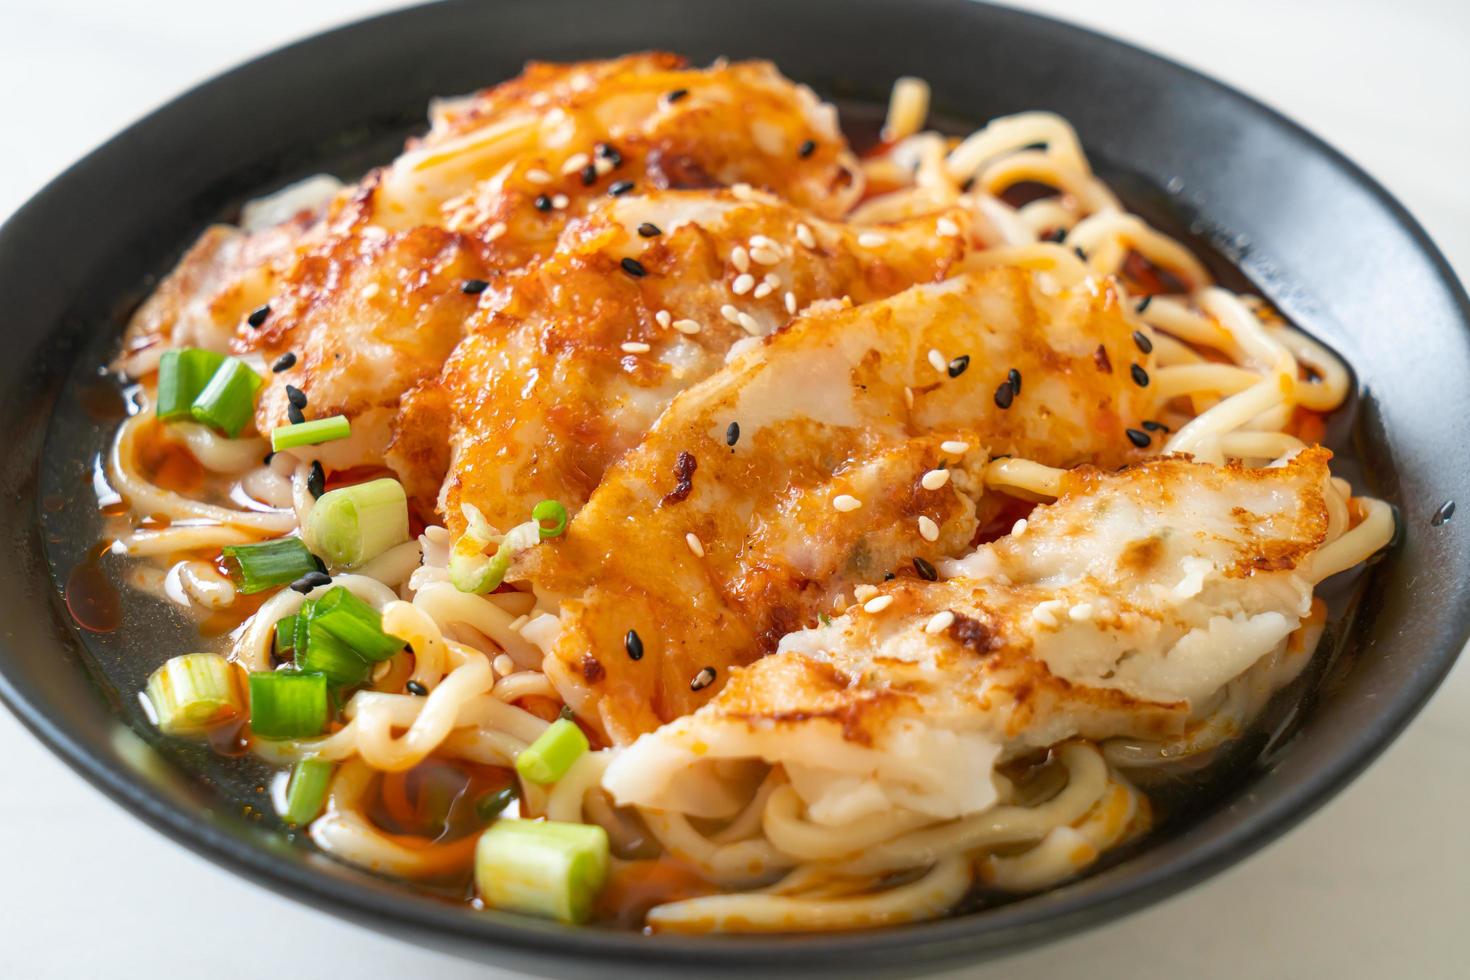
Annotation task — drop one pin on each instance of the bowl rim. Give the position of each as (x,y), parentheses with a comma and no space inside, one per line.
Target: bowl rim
(1089,902)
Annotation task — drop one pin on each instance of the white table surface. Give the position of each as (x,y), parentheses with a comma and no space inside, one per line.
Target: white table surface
(1377,884)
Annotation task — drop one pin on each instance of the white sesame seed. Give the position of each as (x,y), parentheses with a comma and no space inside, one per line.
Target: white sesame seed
(504,666)
(839,602)
(560,202)
(1018,528)
(908,396)
(928,530)
(761,241)
(493,232)
(772,280)
(575,162)
(635,347)
(740,258)
(695,545)
(805,236)
(1081,612)
(946,228)
(791,303)
(871,239)
(862,593)
(879,604)
(730,313)
(664,318)
(742,191)
(762,291)
(937,361)
(602,166)
(369,291)
(743,284)
(954,446)
(750,324)
(939,622)
(538,176)
(1044,615)
(934,479)
(845,502)
(765,256)
(687,326)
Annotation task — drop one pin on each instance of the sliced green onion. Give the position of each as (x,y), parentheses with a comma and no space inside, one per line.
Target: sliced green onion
(306,793)
(548,758)
(492,805)
(471,571)
(354,622)
(287,704)
(352,525)
(285,635)
(182,375)
(553,511)
(545,868)
(193,693)
(323,653)
(310,433)
(228,401)
(257,567)
(303,624)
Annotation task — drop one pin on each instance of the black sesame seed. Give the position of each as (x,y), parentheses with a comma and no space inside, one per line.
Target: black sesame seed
(1443,515)
(1080,253)
(732,433)
(589,175)
(471,287)
(311,580)
(1143,304)
(1144,344)
(268,457)
(1013,378)
(566,713)
(926,571)
(619,187)
(958,365)
(966,184)
(284,363)
(1140,376)
(257,316)
(649,230)
(1057,236)
(1139,439)
(609,153)
(1004,395)
(634,268)
(542,202)
(294,414)
(1153,426)
(676,95)
(415,688)
(633,643)
(807,148)
(703,679)
(316,480)
(889,576)
(296,396)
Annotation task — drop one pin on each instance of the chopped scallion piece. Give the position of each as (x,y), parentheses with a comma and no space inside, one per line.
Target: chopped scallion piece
(492,805)
(182,375)
(228,401)
(193,693)
(257,567)
(549,511)
(306,793)
(287,704)
(471,571)
(310,433)
(354,622)
(548,758)
(325,654)
(285,635)
(352,525)
(544,868)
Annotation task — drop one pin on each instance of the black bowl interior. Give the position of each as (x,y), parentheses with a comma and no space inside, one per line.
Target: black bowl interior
(1303,225)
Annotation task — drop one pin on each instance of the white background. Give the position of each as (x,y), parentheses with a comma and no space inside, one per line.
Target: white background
(1377,884)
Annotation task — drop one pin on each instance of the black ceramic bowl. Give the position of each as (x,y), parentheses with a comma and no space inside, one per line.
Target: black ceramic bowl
(1309,229)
